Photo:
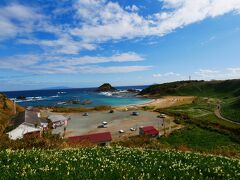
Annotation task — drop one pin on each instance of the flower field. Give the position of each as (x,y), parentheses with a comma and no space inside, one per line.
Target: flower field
(114,163)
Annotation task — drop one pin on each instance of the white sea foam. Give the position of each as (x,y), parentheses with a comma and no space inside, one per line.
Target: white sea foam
(31,99)
(61,92)
(106,93)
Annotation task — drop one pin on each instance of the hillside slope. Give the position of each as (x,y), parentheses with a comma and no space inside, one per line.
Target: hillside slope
(231,109)
(227,91)
(115,163)
(7,111)
(221,89)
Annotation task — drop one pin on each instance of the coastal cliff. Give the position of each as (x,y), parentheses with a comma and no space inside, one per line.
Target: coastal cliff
(7,111)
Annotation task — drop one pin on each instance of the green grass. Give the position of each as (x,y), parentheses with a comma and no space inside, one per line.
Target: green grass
(231,109)
(190,138)
(115,163)
(204,130)
(220,89)
(81,109)
(201,112)
(201,140)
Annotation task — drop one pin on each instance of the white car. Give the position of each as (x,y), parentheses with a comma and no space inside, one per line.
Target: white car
(132,129)
(102,126)
(104,123)
(121,131)
(162,116)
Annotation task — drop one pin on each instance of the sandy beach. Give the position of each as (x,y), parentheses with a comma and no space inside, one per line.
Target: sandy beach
(164,102)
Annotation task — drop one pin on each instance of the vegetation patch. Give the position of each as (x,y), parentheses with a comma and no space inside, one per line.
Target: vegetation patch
(202,140)
(231,110)
(80,109)
(115,163)
(220,89)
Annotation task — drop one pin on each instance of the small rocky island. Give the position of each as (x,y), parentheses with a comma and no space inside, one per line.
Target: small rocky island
(106,87)
(21,97)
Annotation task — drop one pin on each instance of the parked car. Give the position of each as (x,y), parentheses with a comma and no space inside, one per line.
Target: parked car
(162,115)
(104,123)
(85,114)
(121,131)
(102,126)
(135,113)
(111,111)
(132,129)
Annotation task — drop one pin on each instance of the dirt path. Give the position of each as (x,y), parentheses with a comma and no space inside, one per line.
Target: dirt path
(217,112)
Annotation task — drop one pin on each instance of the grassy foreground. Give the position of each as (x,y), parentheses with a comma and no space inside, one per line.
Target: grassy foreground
(114,163)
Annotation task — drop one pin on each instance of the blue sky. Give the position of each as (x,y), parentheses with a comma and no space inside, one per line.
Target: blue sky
(84,43)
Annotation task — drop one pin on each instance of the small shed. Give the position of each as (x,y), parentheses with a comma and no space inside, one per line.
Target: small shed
(57,120)
(148,130)
(97,138)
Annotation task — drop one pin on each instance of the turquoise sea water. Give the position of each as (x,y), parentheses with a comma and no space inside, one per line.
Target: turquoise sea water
(49,98)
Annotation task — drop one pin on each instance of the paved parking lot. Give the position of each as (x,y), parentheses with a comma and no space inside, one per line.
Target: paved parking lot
(79,124)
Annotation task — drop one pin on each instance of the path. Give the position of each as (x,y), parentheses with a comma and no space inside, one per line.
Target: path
(217,112)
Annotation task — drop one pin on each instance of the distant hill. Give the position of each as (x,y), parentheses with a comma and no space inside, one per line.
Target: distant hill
(221,89)
(7,111)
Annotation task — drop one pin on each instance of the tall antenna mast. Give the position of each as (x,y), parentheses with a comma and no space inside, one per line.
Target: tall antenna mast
(14,107)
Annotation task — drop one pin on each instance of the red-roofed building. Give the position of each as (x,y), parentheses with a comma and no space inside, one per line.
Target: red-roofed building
(148,130)
(98,138)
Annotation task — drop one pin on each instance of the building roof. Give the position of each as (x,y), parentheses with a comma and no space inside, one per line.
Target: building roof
(93,138)
(21,130)
(30,108)
(31,117)
(57,118)
(150,130)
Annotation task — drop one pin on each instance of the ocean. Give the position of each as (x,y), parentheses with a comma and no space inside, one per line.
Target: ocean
(86,97)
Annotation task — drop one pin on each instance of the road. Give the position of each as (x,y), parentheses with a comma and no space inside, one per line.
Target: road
(217,112)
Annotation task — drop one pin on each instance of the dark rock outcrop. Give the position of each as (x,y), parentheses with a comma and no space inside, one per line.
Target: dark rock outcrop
(21,97)
(106,87)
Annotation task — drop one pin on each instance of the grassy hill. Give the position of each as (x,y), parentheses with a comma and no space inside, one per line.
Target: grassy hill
(7,111)
(221,89)
(227,91)
(115,163)
(231,109)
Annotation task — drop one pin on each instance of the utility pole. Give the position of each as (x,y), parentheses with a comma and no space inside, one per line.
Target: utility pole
(170,126)
(164,126)
(14,107)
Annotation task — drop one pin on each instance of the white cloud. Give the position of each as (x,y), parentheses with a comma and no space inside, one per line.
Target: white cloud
(19,62)
(110,21)
(228,73)
(63,65)
(97,21)
(16,19)
(113,69)
(168,74)
(132,8)
(207,73)
(63,45)
(157,75)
